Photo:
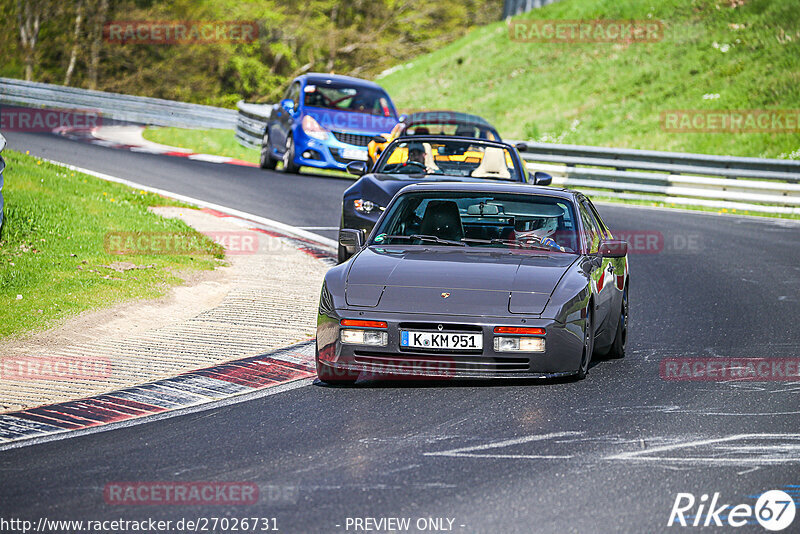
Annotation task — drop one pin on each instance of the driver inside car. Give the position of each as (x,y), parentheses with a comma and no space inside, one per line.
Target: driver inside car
(543,235)
(415,162)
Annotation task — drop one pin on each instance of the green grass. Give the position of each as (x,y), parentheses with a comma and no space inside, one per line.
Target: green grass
(215,142)
(220,143)
(52,250)
(613,94)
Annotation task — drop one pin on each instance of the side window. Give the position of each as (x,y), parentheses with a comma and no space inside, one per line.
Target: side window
(589,230)
(294,94)
(598,227)
(604,231)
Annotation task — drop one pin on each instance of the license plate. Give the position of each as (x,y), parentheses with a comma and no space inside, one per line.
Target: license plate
(354,153)
(440,340)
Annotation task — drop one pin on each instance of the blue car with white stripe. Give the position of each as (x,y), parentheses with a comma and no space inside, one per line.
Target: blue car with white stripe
(326,121)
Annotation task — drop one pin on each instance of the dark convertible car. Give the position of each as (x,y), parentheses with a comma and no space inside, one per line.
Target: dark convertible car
(428,158)
(475,280)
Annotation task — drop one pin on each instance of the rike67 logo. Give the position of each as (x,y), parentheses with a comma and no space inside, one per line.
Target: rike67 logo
(774,510)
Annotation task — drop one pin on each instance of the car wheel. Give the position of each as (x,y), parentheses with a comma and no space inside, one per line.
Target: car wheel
(288,157)
(334,377)
(266,161)
(588,345)
(621,339)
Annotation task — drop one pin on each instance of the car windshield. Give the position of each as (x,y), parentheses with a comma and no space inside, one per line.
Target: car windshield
(449,157)
(459,129)
(347,98)
(479,219)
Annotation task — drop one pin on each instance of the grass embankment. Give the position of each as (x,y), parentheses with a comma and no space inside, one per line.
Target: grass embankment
(715,55)
(53,255)
(219,143)
(215,142)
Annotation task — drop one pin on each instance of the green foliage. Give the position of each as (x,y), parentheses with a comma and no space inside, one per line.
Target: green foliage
(360,38)
(613,94)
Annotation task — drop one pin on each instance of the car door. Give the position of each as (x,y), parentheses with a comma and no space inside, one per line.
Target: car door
(618,267)
(602,273)
(284,121)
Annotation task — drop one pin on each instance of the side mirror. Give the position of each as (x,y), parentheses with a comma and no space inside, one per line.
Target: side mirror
(288,105)
(542,178)
(359,168)
(522,147)
(380,139)
(352,240)
(613,248)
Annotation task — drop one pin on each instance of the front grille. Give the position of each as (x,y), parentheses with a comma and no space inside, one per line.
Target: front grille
(353,139)
(446,327)
(442,364)
(338,157)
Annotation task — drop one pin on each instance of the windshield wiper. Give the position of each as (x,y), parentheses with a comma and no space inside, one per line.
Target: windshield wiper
(423,237)
(510,242)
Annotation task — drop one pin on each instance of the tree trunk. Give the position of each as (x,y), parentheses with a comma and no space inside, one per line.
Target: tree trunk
(29,18)
(76,39)
(97,42)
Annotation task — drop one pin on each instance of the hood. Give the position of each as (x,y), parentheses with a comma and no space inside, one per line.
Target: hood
(413,280)
(351,121)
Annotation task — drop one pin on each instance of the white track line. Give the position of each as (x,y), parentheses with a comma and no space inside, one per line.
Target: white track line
(270,223)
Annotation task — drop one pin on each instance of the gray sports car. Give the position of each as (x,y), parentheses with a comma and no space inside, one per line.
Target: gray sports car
(475,280)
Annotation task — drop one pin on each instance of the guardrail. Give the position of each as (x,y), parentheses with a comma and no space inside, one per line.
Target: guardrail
(139,109)
(753,184)
(251,123)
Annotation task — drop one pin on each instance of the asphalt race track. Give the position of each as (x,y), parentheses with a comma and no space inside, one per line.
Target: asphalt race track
(608,454)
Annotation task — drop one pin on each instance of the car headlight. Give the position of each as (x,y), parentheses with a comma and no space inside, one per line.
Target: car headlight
(312,128)
(370,333)
(366,206)
(525,340)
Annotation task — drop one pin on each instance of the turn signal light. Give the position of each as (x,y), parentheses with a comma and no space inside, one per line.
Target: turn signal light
(363,324)
(520,331)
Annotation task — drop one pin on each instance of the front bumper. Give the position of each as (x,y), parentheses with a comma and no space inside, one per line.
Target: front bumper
(327,154)
(561,357)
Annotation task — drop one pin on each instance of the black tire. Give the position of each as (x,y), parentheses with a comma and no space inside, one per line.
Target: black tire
(588,345)
(335,377)
(266,161)
(331,376)
(288,157)
(617,350)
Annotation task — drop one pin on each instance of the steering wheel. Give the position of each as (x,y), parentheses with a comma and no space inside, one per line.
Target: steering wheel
(413,162)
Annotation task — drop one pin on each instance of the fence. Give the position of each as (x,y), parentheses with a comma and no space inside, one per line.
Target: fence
(139,109)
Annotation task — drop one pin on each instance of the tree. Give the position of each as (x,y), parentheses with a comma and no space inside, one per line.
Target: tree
(76,41)
(30,15)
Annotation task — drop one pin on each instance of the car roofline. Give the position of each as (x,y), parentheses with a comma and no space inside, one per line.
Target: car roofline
(492,186)
(433,137)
